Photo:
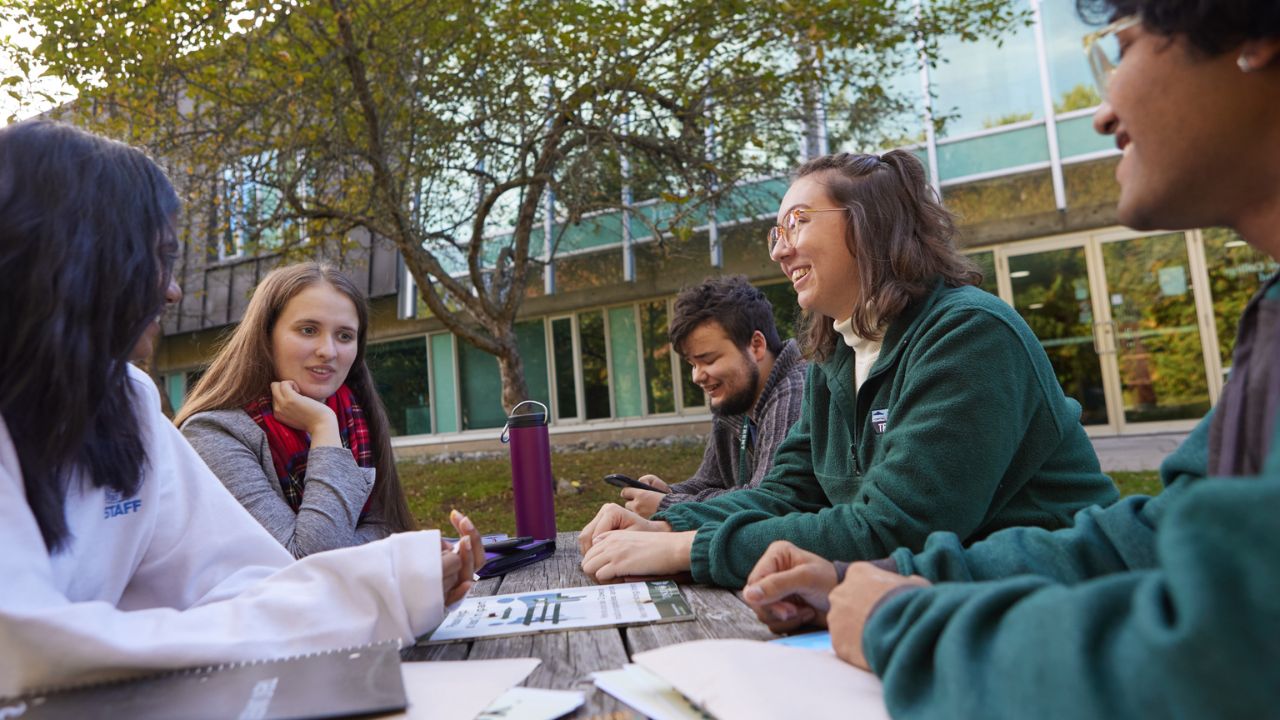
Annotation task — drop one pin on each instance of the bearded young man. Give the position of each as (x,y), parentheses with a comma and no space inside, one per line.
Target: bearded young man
(1153,607)
(754,381)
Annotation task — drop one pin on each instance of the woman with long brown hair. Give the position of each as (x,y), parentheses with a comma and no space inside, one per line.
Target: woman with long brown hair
(288,418)
(929,404)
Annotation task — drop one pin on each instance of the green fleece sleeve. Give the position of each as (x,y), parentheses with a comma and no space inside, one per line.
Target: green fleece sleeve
(1192,636)
(1100,541)
(788,488)
(943,467)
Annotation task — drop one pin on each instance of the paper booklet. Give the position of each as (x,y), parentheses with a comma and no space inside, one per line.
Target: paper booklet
(564,609)
(338,683)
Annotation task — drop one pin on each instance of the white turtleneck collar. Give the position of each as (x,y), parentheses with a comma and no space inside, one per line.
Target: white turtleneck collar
(865,352)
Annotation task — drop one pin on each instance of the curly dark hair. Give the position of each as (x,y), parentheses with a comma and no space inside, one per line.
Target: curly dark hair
(1212,26)
(740,308)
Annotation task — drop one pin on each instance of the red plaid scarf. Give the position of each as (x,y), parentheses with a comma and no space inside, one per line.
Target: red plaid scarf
(289,446)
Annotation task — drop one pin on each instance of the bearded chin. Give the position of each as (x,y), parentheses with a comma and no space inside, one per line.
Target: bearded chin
(741,401)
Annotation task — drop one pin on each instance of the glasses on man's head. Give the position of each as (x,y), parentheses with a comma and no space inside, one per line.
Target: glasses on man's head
(1102,47)
(786,232)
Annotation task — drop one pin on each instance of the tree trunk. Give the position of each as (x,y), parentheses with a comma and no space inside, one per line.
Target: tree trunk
(511,369)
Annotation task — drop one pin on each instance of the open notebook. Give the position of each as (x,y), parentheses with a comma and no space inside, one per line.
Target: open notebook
(338,683)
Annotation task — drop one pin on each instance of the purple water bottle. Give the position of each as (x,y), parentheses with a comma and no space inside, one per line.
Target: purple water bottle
(531,471)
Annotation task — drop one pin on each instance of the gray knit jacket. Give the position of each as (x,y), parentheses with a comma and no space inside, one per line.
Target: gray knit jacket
(336,489)
(774,413)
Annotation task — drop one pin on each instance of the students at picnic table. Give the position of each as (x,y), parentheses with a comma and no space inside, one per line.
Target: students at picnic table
(288,417)
(929,404)
(1155,607)
(121,551)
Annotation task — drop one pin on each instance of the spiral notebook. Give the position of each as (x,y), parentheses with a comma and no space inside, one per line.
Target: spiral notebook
(353,682)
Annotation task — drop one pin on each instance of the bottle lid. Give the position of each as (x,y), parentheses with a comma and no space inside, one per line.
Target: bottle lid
(524,420)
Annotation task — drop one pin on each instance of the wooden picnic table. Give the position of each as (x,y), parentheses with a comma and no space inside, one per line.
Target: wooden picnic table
(569,657)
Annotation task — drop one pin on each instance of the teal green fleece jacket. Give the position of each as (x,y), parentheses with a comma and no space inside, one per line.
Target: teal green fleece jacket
(960,425)
(1154,607)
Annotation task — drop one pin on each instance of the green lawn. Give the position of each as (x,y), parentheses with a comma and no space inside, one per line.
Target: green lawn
(482,488)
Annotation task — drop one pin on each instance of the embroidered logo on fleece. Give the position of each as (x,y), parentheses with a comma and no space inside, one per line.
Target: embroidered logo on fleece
(880,420)
(117,505)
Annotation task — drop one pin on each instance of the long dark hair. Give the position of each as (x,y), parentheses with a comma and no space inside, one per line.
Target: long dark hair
(86,249)
(243,371)
(900,236)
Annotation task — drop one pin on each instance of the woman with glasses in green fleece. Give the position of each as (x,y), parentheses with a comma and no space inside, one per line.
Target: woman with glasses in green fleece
(929,404)
(1154,607)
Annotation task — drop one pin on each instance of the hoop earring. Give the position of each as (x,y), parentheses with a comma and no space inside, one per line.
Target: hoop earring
(1243,63)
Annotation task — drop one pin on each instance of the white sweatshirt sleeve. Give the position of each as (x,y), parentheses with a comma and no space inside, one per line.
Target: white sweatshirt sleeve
(180,575)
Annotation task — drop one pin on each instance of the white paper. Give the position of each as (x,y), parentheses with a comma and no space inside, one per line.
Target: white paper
(748,679)
(563,609)
(459,690)
(649,694)
(522,703)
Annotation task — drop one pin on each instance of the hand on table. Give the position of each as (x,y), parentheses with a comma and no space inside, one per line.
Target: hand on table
(618,553)
(851,603)
(458,562)
(788,587)
(615,517)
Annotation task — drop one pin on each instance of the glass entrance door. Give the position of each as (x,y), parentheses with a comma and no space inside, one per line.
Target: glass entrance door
(1158,350)
(1050,289)
(1123,322)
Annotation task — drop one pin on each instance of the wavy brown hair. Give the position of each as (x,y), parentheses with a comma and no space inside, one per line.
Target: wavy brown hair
(243,371)
(901,237)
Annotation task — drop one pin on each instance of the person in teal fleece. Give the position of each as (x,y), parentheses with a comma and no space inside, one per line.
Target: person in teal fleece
(930,405)
(1154,607)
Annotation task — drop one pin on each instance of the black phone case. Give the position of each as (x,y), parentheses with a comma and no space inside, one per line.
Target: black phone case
(526,555)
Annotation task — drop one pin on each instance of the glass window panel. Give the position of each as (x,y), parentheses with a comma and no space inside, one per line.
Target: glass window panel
(786,313)
(562,353)
(987,84)
(1236,272)
(986,262)
(532,342)
(444,391)
(1076,136)
(694,398)
(1070,80)
(1051,292)
(625,356)
(989,153)
(657,357)
(595,364)
(1158,348)
(399,371)
(481,388)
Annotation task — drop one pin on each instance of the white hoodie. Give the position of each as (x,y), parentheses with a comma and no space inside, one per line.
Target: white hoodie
(181,575)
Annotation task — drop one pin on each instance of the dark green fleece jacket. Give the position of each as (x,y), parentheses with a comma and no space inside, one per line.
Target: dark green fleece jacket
(1161,607)
(961,425)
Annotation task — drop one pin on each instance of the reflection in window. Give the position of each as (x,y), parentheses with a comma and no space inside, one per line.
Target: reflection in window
(252,206)
(1051,292)
(481,388)
(786,313)
(986,262)
(985,84)
(1070,80)
(1236,272)
(1157,334)
(657,357)
(562,353)
(399,371)
(595,364)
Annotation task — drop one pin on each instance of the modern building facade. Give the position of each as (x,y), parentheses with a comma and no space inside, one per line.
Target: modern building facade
(1139,326)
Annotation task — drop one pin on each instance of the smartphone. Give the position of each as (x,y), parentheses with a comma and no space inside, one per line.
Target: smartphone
(619,480)
(526,554)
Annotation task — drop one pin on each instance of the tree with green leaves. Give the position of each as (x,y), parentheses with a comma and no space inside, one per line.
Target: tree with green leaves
(443,126)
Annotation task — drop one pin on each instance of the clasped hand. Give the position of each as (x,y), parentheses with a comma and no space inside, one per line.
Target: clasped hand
(790,587)
(620,543)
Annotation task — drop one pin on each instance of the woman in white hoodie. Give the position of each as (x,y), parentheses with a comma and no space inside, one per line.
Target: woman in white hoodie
(121,551)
